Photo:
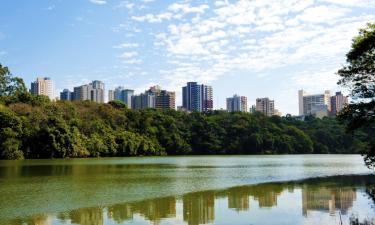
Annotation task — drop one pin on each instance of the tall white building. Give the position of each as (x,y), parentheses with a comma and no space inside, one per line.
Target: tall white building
(43,86)
(237,104)
(314,104)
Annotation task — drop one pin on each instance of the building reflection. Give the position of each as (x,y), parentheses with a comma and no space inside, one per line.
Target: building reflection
(199,208)
(328,200)
(35,220)
(238,199)
(266,194)
(87,216)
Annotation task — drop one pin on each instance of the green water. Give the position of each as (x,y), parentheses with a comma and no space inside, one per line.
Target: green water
(303,189)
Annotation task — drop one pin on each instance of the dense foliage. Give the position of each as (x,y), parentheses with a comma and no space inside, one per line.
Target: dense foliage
(359,76)
(43,129)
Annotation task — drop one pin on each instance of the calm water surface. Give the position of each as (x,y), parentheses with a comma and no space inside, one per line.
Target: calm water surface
(303,189)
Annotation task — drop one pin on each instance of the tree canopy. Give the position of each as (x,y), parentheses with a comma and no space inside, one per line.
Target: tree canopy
(85,129)
(359,76)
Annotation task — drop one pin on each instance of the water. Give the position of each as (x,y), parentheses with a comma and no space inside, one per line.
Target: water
(302,189)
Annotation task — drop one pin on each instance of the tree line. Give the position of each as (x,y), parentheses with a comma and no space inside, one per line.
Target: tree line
(35,127)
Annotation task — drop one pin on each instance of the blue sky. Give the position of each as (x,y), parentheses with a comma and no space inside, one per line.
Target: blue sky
(254,48)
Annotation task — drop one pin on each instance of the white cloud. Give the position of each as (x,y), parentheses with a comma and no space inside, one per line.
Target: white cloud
(186,8)
(151,18)
(98,2)
(353,3)
(127,55)
(126,45)
(322,14)
(126,4)
(132,61)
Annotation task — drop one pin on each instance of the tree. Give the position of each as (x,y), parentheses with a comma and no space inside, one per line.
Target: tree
(359,76)
(9,85)
(10,128)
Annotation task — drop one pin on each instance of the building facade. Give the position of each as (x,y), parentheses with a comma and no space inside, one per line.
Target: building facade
(338,103)
(237,104)
(265,106)
(143,101)
(121,94)
(196,97)
(165,100)
(111,95)
(207,98)
(66,95)
(91,92)
(43,86)
(317,104)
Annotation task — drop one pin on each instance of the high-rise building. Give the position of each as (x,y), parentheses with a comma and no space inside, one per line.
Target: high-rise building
(207,98)
(82,92)
(121,94)
(338,102)
(97,91)
(316,104)
(143,101)
(92,92)
(66,95)
(154,98)
(237,104)
(197,97)
(126,97)
(265,106)
(111,95)
(165,100)
(43,86)
(191,97)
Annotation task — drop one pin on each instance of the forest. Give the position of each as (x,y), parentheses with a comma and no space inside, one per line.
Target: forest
(35,127)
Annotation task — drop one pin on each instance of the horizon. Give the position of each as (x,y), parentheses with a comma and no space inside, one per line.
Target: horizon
(276,47)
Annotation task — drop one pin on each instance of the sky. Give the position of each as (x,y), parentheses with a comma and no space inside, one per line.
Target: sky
(254,48)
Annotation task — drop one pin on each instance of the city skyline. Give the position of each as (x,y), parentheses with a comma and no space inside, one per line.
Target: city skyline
(196,97)
(273,47)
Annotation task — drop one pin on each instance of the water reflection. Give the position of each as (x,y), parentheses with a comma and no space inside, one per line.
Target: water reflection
(328,200)
(331,196)
(199,208)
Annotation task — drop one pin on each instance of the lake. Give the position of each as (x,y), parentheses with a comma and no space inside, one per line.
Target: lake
(243,190)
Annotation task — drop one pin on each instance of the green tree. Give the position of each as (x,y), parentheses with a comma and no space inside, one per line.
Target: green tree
(9,85)
(359,76)
(10,130)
